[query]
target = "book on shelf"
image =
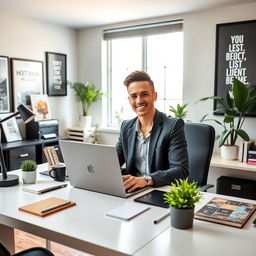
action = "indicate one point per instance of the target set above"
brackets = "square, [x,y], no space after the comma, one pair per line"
[247,146]
[225,211]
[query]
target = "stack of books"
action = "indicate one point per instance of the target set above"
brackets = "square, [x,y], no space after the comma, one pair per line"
[51,156]
[252,156]
[81,134]
[244,148]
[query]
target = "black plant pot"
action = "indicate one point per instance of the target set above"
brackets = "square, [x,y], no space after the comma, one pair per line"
[182,218]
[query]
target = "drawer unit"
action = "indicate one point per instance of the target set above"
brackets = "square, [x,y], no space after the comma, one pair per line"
[18,155]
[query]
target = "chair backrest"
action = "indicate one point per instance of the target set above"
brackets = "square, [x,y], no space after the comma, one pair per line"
[200,140]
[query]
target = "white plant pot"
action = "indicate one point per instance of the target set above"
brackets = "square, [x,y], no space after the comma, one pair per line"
[29,177]
[85,122]
[229,152]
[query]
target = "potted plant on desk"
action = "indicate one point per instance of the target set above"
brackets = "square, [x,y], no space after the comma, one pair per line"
[87,93]
[239,101]
[182,198]
[28,168]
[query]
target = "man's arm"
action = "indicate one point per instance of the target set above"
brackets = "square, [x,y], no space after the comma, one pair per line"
[177,157]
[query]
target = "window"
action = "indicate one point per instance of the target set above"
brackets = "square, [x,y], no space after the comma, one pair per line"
[160,53]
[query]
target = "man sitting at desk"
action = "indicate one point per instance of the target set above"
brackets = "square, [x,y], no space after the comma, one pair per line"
[152,145]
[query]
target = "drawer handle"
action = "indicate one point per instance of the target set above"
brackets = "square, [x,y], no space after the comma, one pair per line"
[56,149]
[23,155]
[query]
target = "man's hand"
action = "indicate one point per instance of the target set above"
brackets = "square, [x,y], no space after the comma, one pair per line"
[132,182]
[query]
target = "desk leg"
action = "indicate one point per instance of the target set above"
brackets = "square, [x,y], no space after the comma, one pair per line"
[7,237]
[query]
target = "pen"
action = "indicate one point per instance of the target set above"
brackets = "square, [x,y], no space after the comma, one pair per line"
[161,218]
[55,207]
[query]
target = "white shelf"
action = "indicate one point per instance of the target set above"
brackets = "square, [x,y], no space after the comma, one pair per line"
[217,161]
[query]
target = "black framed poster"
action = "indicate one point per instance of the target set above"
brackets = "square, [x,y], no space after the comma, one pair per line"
[235,56]
[56,74]
[27,79]
[5,87]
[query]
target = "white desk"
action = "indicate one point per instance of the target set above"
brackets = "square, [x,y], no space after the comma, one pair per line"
[85,226]
[204,239]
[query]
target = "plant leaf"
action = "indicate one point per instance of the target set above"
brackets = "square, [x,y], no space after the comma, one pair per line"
[240,92]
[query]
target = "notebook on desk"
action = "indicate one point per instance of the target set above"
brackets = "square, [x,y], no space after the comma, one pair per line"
[94,167]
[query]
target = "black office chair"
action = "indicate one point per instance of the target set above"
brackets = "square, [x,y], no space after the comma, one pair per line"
[200,142]
[35,251]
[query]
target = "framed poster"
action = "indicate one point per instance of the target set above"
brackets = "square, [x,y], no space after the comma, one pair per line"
[5,88]
[11,129]
[40,106]
[56,74]
[235,56]
[27,78]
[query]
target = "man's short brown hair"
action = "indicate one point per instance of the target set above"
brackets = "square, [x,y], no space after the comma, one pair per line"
[138,76]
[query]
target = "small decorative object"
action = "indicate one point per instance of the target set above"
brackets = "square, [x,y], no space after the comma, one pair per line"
[28,168]
[182,198]
[11,129]
[40,106]
[239,101]
[180,111]
[27,78]
[87,93]
[56,74]
[5,95]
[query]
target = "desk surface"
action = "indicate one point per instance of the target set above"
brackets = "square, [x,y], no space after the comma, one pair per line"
[217,161]
[87,228]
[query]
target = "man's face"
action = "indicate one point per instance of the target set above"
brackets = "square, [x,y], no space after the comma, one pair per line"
[142,97]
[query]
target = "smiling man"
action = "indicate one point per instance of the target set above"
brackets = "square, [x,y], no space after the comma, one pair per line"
[152,145]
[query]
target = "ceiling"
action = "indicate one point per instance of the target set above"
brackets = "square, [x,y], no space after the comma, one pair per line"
[87,13]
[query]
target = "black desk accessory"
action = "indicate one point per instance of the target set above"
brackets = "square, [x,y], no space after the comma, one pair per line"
[10,180]
[43,129]
[154,197]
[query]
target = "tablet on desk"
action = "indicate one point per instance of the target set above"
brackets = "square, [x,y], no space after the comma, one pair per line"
[154,197]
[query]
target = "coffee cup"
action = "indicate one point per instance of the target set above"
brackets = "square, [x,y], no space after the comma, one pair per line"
[58,172]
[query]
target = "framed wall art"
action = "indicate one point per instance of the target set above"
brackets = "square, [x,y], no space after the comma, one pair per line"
[40,106]
[5,88]
[56,74]
[235,56]
[10,129]
[27,78]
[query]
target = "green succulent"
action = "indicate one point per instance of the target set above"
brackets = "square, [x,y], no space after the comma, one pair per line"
[183,194]
[87,93]
[28,166]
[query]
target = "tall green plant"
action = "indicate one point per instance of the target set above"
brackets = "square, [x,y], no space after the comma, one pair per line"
[239,101]
[87,93]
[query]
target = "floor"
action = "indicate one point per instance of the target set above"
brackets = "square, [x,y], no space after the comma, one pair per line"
[25,240]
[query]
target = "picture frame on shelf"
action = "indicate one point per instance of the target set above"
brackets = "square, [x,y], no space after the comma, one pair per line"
[235,57]
[27,78]
[40,106]
[10,129]
[5,86]
[56,74]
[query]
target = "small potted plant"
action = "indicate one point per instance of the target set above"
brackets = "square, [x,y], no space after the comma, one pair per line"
[180,111]
[182,198]
[240,101]
[28,168]
[87,93]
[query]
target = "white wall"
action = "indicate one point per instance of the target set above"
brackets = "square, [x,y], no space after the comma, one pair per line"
[29,39]
[199,56]
[199,64]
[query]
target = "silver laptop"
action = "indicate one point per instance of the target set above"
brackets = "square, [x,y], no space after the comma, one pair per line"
[94,167]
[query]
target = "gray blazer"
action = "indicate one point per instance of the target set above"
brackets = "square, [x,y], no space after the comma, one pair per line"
[168,157]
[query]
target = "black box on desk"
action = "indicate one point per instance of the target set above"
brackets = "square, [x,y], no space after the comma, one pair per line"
[42,129]
[236,187]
